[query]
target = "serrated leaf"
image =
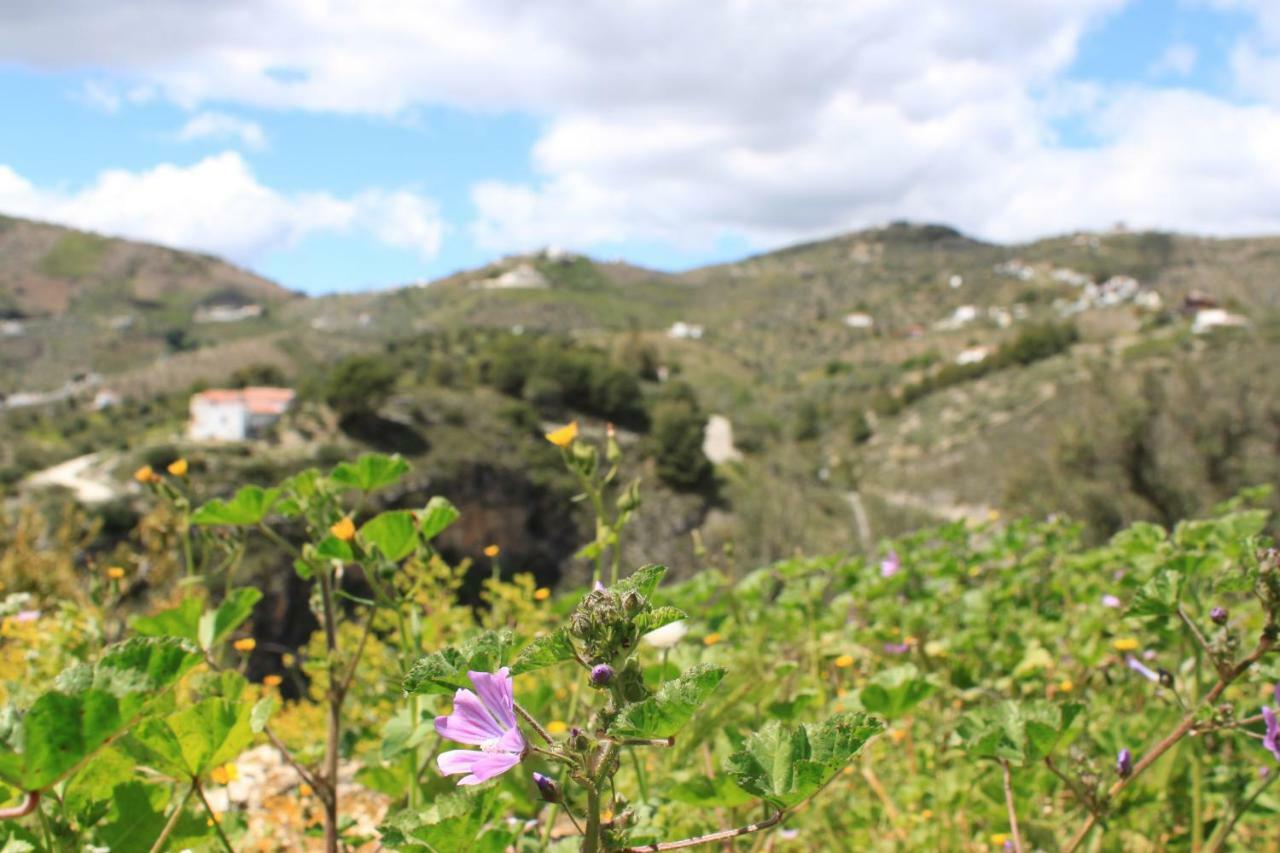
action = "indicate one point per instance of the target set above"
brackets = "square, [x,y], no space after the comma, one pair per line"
[392,533]
[450,824]
[193,740]
[1022,733]
[248,507]
[371,471]
[438,514]
[333,548]
[675,703]
[546,650]
[446,670]
[232,613]
[893,692]
[1159,597]
[784,766]
[719,792]
[89,706]
[643,580]
[181,621]
[657,617]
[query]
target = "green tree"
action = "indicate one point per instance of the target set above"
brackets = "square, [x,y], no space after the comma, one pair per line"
[677,440]
[359,383]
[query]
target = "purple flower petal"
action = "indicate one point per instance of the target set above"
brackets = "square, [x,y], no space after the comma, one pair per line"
[890,565]
[479,765]
[1278,694]
[496,693]
[1270,741]
[1142,669]
[896,648]
[1111,601]
[470,721]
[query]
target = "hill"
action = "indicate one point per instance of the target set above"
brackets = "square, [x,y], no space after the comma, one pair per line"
[867,384]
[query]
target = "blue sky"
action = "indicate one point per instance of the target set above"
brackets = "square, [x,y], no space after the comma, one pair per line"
[338,154]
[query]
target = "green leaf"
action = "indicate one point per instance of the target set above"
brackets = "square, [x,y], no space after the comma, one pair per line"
[545,650]
[784,766]
[1021,733]
[666,712]
[392,533]
[643,580]
[1159,597]
[446,670]
[88,707]
[333,548]
[232,613]
[182,621]
[249,507]
[371,471]
[261,714]
[450,824]
[893,692]
[657,617]
[438,514]
[191,741]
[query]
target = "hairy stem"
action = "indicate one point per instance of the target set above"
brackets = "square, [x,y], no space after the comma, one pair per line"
[1009,805]
[172,821]
[213,816]
[709,838]
[334,732]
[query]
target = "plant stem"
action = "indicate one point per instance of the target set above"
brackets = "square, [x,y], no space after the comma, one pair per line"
[172,821]
[1265,645]
[591,838]
[213,817]
[1219,840]
[1009,805]
[641,780]
[709,838]
[334,733]
[22,809]
[528,718]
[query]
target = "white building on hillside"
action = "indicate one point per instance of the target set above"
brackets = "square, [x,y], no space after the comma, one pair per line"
[235,414]
[685,331]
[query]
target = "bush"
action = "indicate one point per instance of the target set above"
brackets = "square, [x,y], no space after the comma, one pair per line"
[677,438]
[360,383]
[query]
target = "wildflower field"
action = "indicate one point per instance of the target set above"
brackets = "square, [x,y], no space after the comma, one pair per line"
[970,687]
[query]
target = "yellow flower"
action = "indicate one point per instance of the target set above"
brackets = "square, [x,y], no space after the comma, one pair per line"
[1125,644]
[492,550]
[564,436]
[145,474]
[344,529]
[305,790]
[910,640]
[557,727]
[178,467]
[1066,685]
[245,644]
[993,515]
[541,594]
[897,735]
[999,839]
[288,659]
[927,814]
[712,638]
[844,661]
[272,680]
[115,573]
[224,774]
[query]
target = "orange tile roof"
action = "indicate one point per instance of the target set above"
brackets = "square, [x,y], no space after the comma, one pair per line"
[258,400]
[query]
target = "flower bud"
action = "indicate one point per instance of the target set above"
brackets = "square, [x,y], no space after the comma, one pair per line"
[1218,615]
[601,675]
[633,602]
[1124,763]
[547,788]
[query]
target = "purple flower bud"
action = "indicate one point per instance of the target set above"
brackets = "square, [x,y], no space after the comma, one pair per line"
[896,648]
[1264,772]
[1218,615]
[601,674]
[1111,601]
[1124,763]
[1149,654]
[1142,669]
[547,788]
[890,565]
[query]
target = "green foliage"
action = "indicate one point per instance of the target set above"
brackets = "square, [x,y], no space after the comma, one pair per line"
[677,436]
[359,384]
[785,766]
[670,709]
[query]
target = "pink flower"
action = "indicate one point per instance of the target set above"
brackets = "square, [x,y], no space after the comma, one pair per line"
[487,720]
[890,565]
[1111,601]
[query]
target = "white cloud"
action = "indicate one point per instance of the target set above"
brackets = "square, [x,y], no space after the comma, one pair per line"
[216,125]
[682,122]
[218,205]
[1178,60]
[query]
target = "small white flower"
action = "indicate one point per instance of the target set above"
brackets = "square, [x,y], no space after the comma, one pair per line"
[666,636]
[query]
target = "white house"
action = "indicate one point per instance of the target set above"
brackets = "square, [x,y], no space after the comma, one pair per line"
[1209,319]
[685,331]
[226,414]
[974,355]
[859,320]
[227,313]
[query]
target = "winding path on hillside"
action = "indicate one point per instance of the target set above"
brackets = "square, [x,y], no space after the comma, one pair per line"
[84,476]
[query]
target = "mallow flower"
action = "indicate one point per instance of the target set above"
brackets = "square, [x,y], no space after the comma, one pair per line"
[666,636]
[487,719]
[1124,763]
[1272,738]
[1142,669]
[1111,601]
[890,565]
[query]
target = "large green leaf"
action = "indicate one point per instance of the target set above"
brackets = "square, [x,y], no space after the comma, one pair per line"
[371,471]
[446,670]
[231,614]
[181,621]
[1159,597]
[392,533]
[248,507]
[895,691]
[784,766]
[666,712]
[643,580]
[1023,733]
[656,618]
[720,792]
[88,707]
[450,824]
[193,740]
[438,514]
[546,650]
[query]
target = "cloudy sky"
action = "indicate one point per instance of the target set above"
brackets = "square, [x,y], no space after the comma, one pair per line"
[340,144]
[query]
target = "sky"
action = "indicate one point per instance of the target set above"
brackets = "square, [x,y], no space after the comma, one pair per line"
[343,145]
